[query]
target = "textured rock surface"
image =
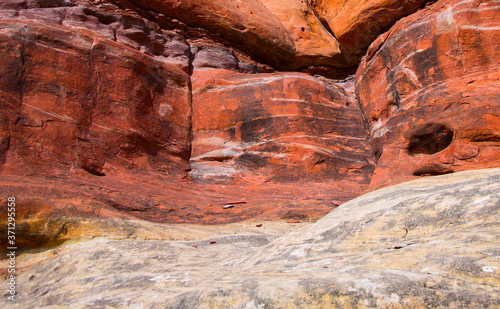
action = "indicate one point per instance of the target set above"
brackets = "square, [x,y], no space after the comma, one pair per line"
[105,89]
[429,243]
[72,98]
[355,24]
[429,90]
[293,34]
[314,44]
[278,127]
[113,112]
[284,36]
[179,106]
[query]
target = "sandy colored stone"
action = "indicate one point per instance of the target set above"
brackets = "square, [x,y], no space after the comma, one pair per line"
[427,243]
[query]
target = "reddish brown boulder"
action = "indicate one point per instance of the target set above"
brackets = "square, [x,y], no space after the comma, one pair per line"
[72,99]
[282,127]
[429,90]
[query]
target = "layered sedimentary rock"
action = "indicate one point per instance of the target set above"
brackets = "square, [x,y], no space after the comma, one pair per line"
[287,37]
[428,243]
[429,91]
[296,34]
[170,111]
[97,120]
[276,128]
[189,112]
[72,98]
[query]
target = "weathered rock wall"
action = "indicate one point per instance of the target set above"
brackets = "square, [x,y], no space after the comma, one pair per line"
[282,127]
[74,96]
[213,112]
[171,110]
[429,92]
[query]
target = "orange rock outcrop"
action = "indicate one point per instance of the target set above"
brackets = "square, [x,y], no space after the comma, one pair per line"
[429,91]
[219,111]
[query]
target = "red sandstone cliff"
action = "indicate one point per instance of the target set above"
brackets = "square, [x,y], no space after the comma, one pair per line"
[171,110]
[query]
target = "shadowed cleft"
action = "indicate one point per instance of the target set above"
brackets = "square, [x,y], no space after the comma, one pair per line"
[432,170]
[93,166]
[430,139]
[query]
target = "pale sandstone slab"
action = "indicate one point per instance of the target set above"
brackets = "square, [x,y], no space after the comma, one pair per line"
[427,243]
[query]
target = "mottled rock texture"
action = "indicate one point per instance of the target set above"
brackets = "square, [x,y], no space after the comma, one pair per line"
[120,109]
[429,243]
[429,91]
[191,112]
[119,115]
[282,127]
[356,23]
[97,119]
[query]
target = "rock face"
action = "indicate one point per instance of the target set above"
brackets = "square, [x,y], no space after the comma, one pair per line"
[119,115]
[118,90]
[176,111]
[287,37]
[356,24]
[97,116]
[278,127]
[432,105]
[121,109]
[429,243]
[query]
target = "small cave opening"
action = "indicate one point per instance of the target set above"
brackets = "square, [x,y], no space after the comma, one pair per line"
[93,169]
[92,165]
[429,139]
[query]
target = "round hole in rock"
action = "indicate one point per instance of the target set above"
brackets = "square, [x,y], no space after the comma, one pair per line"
[429,139]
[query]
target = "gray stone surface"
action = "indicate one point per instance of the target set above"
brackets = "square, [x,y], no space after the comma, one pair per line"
[429,243]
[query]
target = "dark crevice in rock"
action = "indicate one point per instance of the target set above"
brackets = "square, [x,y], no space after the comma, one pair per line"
[4,148]
[189,152]
[432,170]
[93,166]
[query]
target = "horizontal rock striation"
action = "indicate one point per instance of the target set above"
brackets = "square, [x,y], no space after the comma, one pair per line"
[105,90]
[118,116]
[276,127]
[74,98]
